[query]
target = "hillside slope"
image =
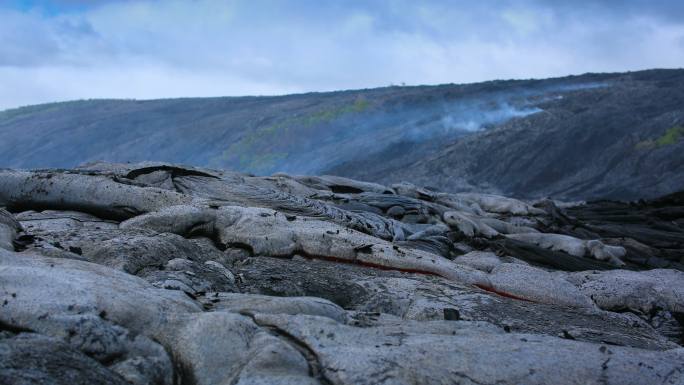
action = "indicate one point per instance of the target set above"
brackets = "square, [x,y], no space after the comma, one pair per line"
[295,133]
[621,141]
[594,135]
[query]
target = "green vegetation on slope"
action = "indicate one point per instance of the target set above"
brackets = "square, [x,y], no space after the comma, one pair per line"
[253,156]
[671,136]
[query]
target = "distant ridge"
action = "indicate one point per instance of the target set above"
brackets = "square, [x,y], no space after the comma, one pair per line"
[577,137]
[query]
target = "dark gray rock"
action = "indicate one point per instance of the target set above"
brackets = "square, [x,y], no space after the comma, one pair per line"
[9,228]
[31,359]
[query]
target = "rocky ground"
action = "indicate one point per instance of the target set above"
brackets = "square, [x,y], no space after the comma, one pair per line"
[160,274]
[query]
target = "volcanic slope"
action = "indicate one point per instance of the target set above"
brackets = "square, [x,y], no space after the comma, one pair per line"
[578,137]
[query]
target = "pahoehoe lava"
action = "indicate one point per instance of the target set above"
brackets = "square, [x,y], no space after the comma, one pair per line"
[159,273]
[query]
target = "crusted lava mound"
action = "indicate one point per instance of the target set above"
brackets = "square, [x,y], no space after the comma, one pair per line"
[156,273]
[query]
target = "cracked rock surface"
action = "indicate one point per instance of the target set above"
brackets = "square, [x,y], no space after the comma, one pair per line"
[157,273]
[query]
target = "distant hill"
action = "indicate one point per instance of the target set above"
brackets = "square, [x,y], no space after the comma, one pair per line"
[623,140]
[588,136]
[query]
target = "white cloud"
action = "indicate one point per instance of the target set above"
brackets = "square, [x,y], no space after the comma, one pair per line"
[46,84]
[173,48]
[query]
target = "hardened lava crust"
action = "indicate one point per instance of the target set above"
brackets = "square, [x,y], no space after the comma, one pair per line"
[156,273]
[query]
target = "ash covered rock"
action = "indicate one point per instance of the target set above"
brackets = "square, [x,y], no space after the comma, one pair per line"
[9,227]
[159,273]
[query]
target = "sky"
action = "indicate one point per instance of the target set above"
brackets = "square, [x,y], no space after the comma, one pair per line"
[81,49]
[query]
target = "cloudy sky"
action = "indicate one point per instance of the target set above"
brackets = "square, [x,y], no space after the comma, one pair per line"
[78,49]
